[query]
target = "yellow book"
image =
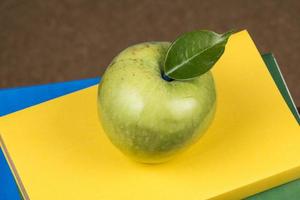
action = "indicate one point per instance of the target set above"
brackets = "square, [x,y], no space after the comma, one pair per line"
[60,151]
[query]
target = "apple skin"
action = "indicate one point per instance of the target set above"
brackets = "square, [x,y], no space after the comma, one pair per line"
[146,117]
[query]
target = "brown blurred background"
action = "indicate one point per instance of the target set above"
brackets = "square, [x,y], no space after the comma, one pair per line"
[59,40]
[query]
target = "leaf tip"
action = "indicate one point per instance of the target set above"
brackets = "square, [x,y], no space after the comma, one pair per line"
[228,34]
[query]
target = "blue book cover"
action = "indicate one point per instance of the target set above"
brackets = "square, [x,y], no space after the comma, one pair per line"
[15,99]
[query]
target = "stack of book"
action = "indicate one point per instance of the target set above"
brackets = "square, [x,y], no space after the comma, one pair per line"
[53,147]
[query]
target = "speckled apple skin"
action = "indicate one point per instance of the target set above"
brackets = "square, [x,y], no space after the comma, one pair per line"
[147,118]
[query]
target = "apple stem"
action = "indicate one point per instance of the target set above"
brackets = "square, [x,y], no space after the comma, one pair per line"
[166,78]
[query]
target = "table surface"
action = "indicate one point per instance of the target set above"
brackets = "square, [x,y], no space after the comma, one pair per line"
[59,40]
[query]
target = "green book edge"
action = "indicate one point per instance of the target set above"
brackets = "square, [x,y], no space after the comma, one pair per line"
[289,190]
[274,70]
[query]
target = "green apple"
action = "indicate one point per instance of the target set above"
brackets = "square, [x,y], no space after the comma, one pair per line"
[146,117]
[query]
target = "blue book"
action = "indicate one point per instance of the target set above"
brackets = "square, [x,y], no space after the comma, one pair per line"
[8,187]
[15,99]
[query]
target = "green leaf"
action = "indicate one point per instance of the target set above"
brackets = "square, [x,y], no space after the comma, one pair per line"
[194,53]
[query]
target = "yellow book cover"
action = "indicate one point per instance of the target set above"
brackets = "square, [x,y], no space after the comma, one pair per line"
[60,151]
